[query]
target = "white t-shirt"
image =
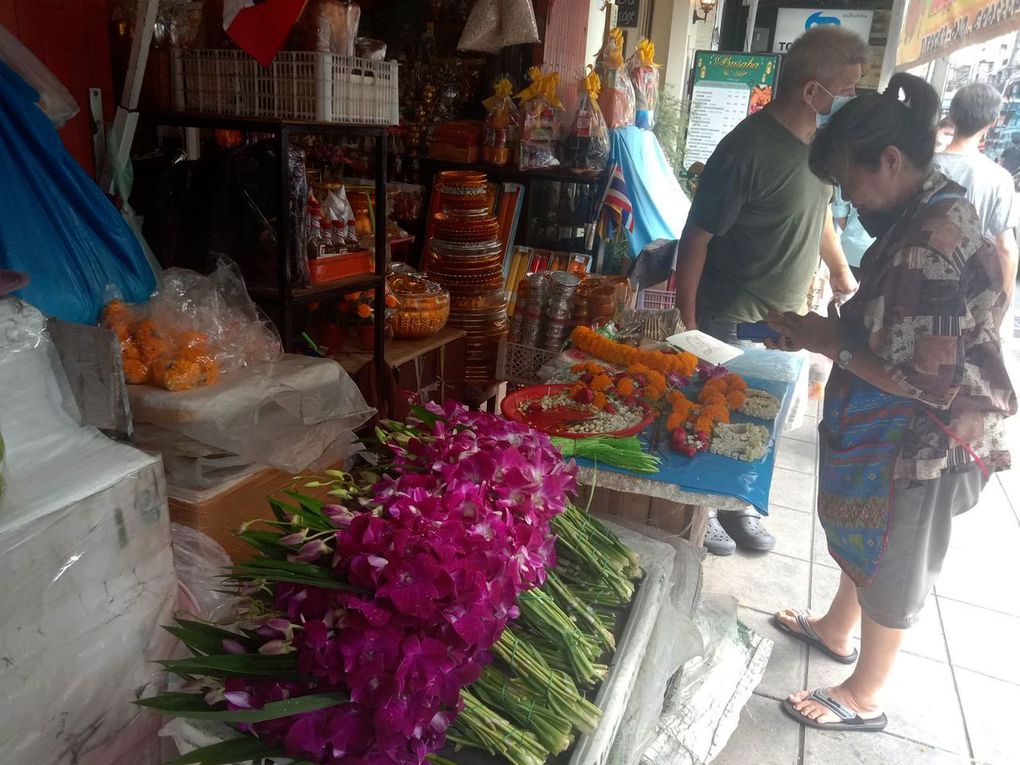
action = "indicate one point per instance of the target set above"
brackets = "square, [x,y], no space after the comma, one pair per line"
[989,188]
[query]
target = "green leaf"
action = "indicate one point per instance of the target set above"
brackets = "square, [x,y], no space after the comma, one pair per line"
[236,750]
[281,510]
[428,418]
[265,542]
[193,707]
[202,637]
[309,516]
[308,503]
[230,665]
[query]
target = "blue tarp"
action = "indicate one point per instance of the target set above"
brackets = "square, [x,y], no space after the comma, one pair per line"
[714,474]
[660,205]
[56,225]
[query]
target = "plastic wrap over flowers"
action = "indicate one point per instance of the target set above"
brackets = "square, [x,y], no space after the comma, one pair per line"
[366,619]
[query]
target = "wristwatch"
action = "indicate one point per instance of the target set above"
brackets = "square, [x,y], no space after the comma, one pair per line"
[844,357]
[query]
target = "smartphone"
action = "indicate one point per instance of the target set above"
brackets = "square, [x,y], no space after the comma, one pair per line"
[756,331]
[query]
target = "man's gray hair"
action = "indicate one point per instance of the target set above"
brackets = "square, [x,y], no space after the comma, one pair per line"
[819,54]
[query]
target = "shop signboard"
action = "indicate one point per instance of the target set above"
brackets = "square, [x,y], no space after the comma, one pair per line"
[627,13]
[935,28]
[726,87]
[791,23]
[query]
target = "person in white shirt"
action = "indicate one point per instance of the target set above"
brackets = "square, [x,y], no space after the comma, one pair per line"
[974,109]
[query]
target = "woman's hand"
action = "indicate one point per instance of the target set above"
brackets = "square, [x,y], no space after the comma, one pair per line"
[813,332]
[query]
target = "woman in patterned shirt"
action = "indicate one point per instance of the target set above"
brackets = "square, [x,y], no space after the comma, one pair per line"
[914,410]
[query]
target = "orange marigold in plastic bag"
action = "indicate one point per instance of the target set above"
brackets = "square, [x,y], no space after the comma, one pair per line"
[193,340]
[137,372]
[177,374]
[364,310]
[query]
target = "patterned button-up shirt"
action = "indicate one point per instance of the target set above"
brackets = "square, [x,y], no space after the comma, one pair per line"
[930,305]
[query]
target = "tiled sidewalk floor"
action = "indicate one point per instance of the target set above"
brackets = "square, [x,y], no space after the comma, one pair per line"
[955,693]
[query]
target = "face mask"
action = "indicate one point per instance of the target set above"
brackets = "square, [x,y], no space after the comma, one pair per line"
[838,102]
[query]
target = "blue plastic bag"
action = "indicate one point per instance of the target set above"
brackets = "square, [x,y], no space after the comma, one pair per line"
[56,225]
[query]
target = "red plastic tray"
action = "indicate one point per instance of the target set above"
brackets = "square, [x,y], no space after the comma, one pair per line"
[553,421]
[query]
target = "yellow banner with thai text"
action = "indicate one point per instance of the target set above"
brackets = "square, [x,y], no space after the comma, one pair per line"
[935,28]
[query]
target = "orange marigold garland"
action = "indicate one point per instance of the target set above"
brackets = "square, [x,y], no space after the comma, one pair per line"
[653,376]
[594,344]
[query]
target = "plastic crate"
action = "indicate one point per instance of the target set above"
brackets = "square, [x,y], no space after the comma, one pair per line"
[320,87]
[519,364]
[656,300]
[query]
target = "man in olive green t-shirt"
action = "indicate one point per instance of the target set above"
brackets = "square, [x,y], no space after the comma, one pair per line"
[760,220]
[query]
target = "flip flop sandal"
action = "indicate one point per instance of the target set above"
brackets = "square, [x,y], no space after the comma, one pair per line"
[717,541]
[848,719]
[809,636]
[746,530]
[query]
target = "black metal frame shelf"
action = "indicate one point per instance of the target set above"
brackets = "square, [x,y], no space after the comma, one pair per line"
[285,296]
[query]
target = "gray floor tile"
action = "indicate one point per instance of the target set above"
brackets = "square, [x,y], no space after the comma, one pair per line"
[920,699]
[1010,481]
[763,582]
[832,748]
[806,432]
[787,666]
[793,489]
[982,640]
[764,736]
[981,579]
[801,456]
[792,530]
[990,528]
[989,707]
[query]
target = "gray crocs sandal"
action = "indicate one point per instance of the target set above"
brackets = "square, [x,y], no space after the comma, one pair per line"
[717,541]
[848,719]
[809,636]
[746,529]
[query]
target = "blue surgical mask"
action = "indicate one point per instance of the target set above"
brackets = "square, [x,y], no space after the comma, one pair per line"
[838,102]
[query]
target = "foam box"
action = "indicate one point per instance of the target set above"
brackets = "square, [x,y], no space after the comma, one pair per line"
[87,568]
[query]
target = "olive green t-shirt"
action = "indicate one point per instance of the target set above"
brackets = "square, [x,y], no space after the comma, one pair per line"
[765,210]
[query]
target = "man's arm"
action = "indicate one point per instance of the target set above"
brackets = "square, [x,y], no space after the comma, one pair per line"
[690,264]
[842,281]
[1005,244]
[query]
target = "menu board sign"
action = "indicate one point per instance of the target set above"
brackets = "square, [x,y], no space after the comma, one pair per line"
[627,13]
[726,87]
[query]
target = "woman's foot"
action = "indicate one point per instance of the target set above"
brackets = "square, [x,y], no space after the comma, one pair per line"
[813,706]
[838,646]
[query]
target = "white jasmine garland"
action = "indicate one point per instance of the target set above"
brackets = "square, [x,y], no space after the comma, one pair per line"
[740,441]
[760,405]
[595,420]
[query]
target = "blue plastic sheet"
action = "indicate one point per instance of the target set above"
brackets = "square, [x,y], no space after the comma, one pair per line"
[56,225]
[660,205]
[713,473]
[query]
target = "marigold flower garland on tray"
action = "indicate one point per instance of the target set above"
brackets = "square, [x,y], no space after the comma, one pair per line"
[656,377]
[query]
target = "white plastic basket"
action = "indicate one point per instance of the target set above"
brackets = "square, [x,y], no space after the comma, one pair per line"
[656,300]
[297,86]
[519,364]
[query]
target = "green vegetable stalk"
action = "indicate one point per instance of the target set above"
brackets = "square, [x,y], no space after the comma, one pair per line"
[619,452]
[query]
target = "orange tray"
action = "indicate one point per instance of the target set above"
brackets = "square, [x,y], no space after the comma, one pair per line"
[355,263]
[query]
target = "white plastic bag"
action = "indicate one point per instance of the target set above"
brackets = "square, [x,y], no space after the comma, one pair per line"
[54,99]
[201,563]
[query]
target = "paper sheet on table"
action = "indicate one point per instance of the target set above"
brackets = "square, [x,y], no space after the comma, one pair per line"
[704,346]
